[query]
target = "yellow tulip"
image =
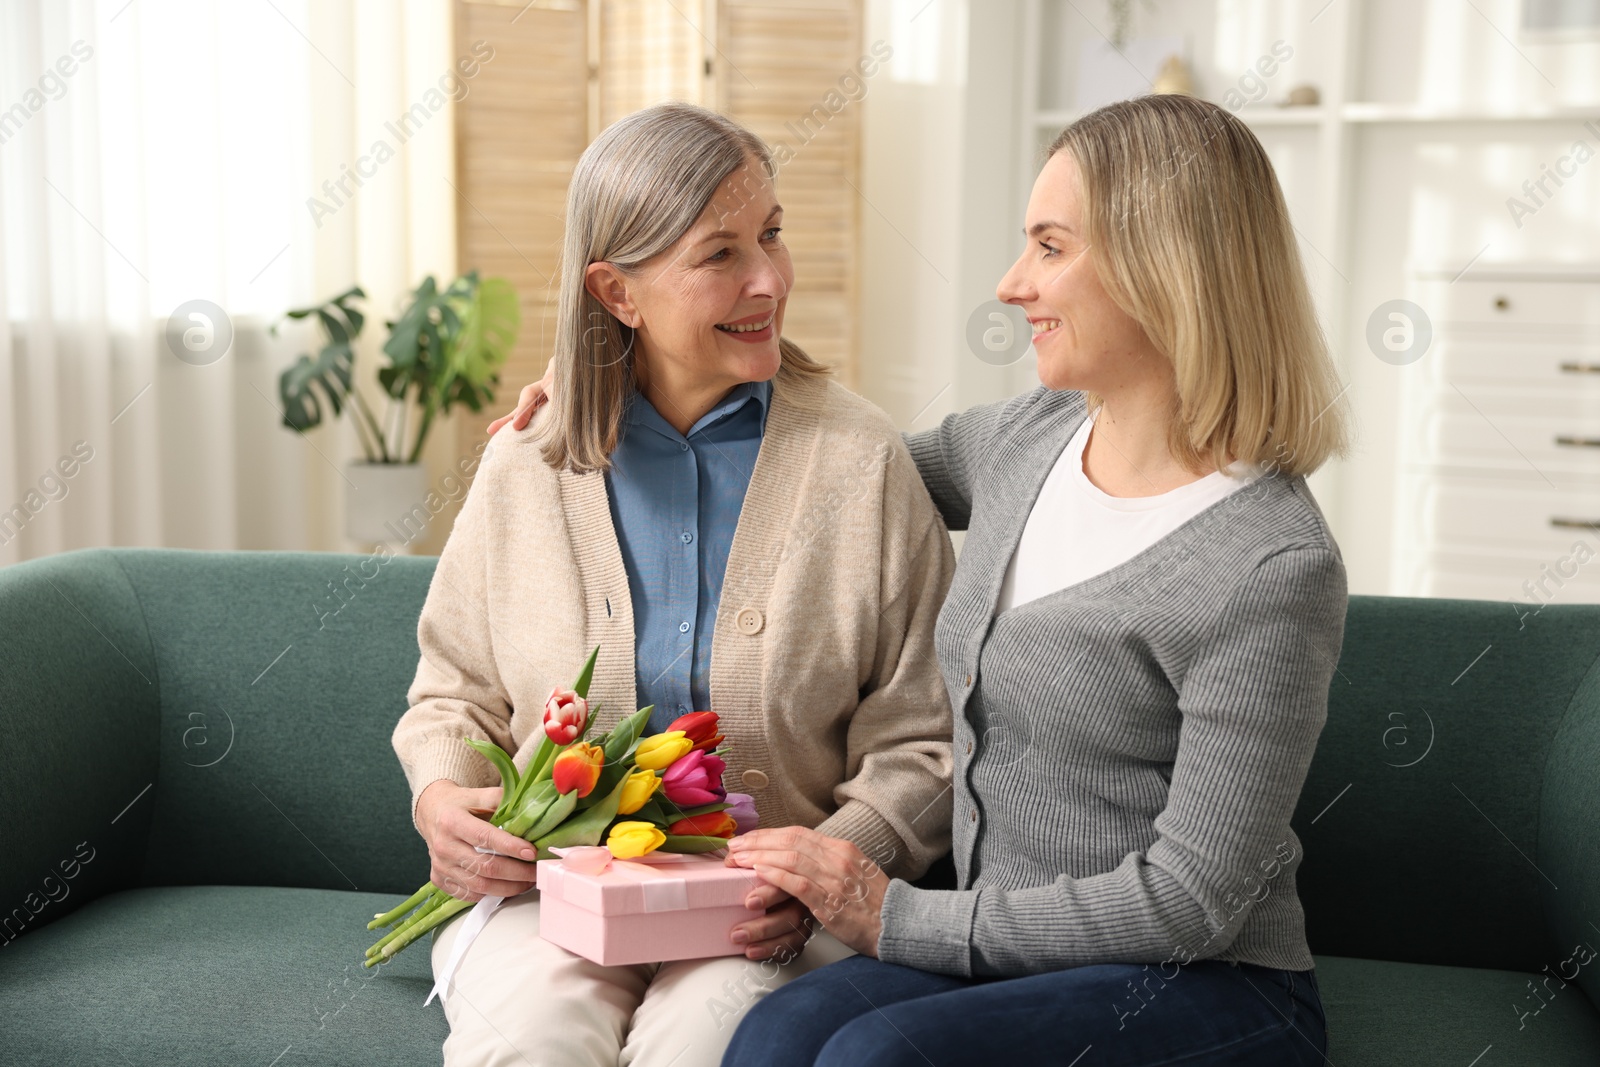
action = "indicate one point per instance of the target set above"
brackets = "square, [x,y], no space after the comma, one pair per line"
[660,750]
[628,840]
[640,787]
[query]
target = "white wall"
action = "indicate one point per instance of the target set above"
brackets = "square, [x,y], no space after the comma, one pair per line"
[942,220]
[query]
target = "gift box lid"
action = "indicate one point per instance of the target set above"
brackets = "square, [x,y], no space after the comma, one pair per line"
[660,881]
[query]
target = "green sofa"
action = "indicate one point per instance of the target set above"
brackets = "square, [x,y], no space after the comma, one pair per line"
[202,810]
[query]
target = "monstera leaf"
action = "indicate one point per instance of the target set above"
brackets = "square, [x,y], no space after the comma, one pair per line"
[330,369]
[489,325]
[297,386]
[446,348]
[450,345]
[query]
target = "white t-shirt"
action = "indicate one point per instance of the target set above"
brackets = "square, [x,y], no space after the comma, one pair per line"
[1076,530]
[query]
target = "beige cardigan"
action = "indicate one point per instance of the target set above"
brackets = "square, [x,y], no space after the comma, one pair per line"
[822,664]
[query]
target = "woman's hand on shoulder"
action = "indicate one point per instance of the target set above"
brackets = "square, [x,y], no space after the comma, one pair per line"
[533,396]
[447,819]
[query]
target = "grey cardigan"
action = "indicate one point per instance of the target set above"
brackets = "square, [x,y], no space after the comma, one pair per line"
[1129,749]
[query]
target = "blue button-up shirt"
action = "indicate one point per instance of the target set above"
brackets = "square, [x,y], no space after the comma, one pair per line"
[675,503]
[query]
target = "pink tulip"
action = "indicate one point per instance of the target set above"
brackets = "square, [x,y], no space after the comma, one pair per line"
[743,811]
[694,779]
[564,715]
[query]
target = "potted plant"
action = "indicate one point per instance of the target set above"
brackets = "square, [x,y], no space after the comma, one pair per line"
[446,348]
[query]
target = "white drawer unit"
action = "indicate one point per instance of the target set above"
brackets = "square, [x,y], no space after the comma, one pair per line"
[1499,493]
[1553,359]
[1522,431]
[1531,299]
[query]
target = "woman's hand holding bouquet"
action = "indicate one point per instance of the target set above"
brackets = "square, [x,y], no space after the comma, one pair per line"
[635,795]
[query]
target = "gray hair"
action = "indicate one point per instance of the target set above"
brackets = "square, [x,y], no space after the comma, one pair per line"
[636,190]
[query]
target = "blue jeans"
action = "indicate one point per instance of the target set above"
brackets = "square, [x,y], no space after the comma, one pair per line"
[862,1011]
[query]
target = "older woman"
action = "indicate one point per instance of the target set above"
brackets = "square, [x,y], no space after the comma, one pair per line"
[735,532]
[1138,642]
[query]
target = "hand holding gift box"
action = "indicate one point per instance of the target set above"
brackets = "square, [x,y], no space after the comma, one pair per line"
[661,906]
[639,796]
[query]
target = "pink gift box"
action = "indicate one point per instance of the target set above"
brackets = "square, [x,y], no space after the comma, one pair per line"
[655,908]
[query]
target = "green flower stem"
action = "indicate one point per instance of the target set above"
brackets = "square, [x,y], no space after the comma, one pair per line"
[389,917]
[433,903]
[445,911]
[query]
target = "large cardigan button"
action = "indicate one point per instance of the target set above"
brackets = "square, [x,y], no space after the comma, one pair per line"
[749,621]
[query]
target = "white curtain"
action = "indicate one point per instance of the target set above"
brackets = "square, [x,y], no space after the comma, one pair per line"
[154,153]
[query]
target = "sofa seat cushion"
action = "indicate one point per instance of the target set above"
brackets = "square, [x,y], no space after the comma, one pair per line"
[217,974]
[1405,1014]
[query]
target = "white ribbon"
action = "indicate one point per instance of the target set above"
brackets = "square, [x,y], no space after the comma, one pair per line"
[471,927]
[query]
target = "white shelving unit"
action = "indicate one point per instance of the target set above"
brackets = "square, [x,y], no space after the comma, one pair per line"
[1513,513]
[1428,134]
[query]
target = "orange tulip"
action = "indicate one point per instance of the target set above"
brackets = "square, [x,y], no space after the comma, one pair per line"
[712,824]
[699,727]
[578,768]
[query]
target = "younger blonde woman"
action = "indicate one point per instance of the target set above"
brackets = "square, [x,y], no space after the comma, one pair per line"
[1151,605]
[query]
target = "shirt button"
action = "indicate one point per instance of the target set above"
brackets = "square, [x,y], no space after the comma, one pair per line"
[688,538]
[749,622]
[754,779]
[683,627]
[683,446]
[682,710]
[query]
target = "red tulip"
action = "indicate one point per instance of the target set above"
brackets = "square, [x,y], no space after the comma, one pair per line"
[694,779]
[564,715]
[578,768]
[712,824]
[699,727]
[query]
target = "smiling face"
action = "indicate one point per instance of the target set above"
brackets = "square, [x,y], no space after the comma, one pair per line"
[708,311]
[1081,338]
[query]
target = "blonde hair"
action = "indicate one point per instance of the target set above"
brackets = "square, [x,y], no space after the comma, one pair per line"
[1192,238]
[635,191]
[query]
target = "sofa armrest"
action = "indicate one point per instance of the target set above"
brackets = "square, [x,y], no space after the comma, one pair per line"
[79,736]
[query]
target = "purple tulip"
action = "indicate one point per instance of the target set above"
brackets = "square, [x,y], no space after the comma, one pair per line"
[695,778]
[743,810]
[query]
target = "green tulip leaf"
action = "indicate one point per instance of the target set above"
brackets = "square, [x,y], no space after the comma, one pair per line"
[588,826]
[693,843]
[585,676]
[552,817]
[703,809]
[502,763]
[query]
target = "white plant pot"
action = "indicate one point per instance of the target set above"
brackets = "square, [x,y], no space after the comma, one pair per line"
[382,500]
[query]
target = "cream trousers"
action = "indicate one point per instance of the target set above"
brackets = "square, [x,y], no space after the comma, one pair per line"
[518,999]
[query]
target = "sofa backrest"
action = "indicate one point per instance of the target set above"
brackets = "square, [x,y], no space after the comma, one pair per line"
[204,717]
[1450,814]
[253,693]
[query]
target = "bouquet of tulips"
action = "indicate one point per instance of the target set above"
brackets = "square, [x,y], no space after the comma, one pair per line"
[633,794]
